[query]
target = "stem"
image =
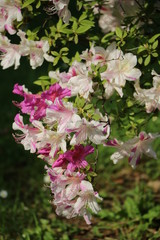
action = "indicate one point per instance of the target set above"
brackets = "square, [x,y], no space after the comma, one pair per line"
[139,4]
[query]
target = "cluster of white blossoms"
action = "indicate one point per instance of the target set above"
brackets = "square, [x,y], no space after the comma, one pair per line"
[11,53]
[9,12]
[119,68]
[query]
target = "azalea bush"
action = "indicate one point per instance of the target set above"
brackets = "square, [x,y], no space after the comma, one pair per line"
[102,88]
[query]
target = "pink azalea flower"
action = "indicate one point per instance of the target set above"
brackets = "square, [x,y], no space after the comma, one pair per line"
[35,104]
[44,154]
[55,91]
[75,158]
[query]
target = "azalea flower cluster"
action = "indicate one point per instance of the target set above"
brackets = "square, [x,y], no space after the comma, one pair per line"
[9,12]
[63,136]
[11,53]
[119,68]
[73,195]
[60,136]
[54,126]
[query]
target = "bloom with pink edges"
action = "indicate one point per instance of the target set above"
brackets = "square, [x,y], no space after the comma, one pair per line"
[63,112]
[9,12]
[74,159]
[133,148]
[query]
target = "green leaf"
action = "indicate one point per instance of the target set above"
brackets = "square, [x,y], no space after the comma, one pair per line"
[147,60]
[131,207]
[141,49]
[88,106]
[155,54]
[140,60]
[152,39]
[65,30]
[54,53]
[92,174]
[106,37]
[83,29]
[79,5]
[103,69]
[64,49]
[155,44]
[152,213]
[76,39]
[96,117]
[27,2]
[38,4]
[75,26]
[77,57]
[56,60]
[80,102]
[59,24]
[119,32]
[42,83]
[65,59]
[124,34]
[83,16]
[44,77]
[87,22]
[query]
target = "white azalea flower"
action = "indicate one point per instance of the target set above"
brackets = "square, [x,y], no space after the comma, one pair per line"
[149,97]
[9,12]
[81,83]
[61,8]
[10,53]
[96,132]
[119,69]
[56,140]
[87,199]
[63,113]
[134,148]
